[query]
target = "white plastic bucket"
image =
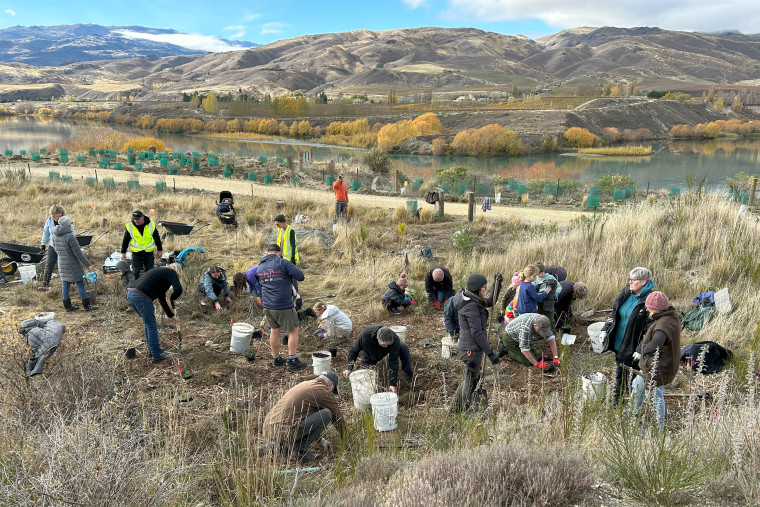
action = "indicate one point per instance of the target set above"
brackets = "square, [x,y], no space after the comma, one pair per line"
[594,330]
[593,386]
[241,337]
[320,360]
[446,345]
[385,410]
[363,387]
[400,331]
[27,272]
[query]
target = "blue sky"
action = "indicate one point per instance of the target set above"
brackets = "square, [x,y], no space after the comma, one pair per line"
[264,21]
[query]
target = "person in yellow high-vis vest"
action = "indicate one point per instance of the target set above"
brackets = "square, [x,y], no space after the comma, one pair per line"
[286,239]
[142,238]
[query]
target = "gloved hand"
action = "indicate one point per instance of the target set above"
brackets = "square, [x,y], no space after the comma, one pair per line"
[228,299]
[437,305]
[556,362]
[636,356]
[217,305]
[542,365]
[414,301]
[42,248]
[493,358]
[319,334]
[259,301]
[408,309]
[499,278]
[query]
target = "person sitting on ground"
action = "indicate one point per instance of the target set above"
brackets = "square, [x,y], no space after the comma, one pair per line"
[394,297]
[298,419]
[142,238]
[542,281]
[141,293]
[519,335]
[528,297]
[70,262]
[558,272]
[276,277]
[657,355]
[213,283]
[563,308]
[373,343]
[51,259]
[439,286]
[335,324]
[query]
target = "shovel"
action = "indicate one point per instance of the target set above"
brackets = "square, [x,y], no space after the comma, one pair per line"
[187,372]
[320,297]
[589,313]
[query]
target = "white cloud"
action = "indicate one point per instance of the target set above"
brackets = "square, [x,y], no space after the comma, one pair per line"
[689,15]
[10,12]
[413,4]
[273,27]
[239,31]
[198,42]
[251,17]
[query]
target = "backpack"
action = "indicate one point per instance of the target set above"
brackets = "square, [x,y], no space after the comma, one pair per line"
[696,318]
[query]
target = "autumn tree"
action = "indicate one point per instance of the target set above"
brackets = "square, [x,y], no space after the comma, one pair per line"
[377,160]
[611,134]
[736,105]
[486,141]
[439,146]
[210,103]
[427,124]
[393,134]
[579,137]
[681,130]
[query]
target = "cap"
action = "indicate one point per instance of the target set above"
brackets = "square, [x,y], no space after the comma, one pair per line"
[279,218]
[656,301]
[475,282]
[137,214]
[333,377]
[542,326]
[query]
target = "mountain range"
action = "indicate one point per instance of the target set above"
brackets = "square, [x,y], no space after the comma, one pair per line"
[439,60]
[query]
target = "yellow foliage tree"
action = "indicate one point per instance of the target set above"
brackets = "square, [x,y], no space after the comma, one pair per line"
[393,134]
[143,144]
[579,137]
[489,140]
[210,104]
[427,124]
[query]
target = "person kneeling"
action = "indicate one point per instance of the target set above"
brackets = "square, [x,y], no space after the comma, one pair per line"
[394,298]
[298,419]
[517,341]
[212,284]
[373,344]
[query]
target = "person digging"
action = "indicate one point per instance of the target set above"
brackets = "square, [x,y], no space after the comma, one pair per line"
[373,343]
[519,337]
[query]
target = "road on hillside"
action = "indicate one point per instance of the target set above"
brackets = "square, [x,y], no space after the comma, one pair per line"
[527,214]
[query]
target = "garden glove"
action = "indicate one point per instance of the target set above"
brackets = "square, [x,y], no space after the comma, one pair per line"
[437,305]
[636,356]
[493,358]
[556,362]
[542,365]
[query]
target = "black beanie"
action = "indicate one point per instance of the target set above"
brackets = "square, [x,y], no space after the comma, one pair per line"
[475,282]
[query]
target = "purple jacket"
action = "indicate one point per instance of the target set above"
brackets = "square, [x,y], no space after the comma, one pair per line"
[276,276]
[253,284]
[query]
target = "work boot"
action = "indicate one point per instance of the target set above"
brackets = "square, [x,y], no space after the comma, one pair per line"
[86,304]
[295,364]
[45,286]
[163,356]
[68,306]
[394,311]
[502,350]
[278,361]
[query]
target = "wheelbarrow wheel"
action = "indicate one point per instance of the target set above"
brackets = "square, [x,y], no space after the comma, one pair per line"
[8,266]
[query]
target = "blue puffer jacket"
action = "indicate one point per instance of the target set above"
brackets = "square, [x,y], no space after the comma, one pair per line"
[276,275]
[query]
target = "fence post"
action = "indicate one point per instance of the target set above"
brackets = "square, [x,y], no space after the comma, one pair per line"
[752,194]
[174,184]
[395,181]
[470,206]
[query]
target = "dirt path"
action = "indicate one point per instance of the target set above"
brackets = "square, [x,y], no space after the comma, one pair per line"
[528,214]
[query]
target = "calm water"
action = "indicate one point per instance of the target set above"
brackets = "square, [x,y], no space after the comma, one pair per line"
[670,165]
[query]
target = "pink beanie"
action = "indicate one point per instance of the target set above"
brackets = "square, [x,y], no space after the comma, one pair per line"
[516,278]
[401,282]
[657,301]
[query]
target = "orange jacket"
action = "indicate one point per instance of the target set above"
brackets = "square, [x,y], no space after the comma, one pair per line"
[341,194]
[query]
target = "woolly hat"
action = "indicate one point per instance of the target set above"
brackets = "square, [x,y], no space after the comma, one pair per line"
[438,274]
[279,218]
[401,282]
[475,282]
[516,278]
[657,301]
[64,222]
[122,266]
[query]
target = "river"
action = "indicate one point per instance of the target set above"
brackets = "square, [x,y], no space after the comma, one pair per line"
[671,165]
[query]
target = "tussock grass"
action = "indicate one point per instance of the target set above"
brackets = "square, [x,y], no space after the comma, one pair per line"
[637,151]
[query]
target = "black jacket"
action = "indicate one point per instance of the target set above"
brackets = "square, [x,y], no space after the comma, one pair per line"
[432,287]
[155,282]
[473,322]
[634,331]
[565,299]
[374,352]
[394,294]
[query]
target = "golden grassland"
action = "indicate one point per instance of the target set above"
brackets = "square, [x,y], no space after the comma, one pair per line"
[538,436]
[633,151]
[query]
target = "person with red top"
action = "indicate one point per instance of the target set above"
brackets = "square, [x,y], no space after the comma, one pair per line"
[341,199]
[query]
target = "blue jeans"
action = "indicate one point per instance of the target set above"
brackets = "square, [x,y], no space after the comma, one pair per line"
[443,295]
[66,289]
[144,308]
[639,392]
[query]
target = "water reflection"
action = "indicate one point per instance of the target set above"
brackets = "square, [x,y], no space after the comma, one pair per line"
[669,166]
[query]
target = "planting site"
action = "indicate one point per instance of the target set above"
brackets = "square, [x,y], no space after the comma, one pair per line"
[97,424]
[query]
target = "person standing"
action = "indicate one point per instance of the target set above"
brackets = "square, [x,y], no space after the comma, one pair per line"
[302,414]
[286,240]
[471,305]
[658,355]
[51,259]
[276,277]
[439,286]
[142,238]
[70,262]
[341,199]
[141,293]
[373,343]
[626,325]
[528,296]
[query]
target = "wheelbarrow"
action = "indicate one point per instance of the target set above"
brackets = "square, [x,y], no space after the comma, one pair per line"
[18,254]
[86,240]
[181,229]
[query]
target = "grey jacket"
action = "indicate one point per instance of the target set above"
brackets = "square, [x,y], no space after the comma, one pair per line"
[70,256]
[43,338]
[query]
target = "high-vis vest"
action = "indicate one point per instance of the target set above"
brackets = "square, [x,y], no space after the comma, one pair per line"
[141,242]
[287,248]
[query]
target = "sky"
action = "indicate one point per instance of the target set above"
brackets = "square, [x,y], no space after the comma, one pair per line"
[264,21]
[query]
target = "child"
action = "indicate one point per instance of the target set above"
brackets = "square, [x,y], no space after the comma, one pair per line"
[394,298]
[509,302]
[127,276]
[543,281]
[529,297]
[335,323]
